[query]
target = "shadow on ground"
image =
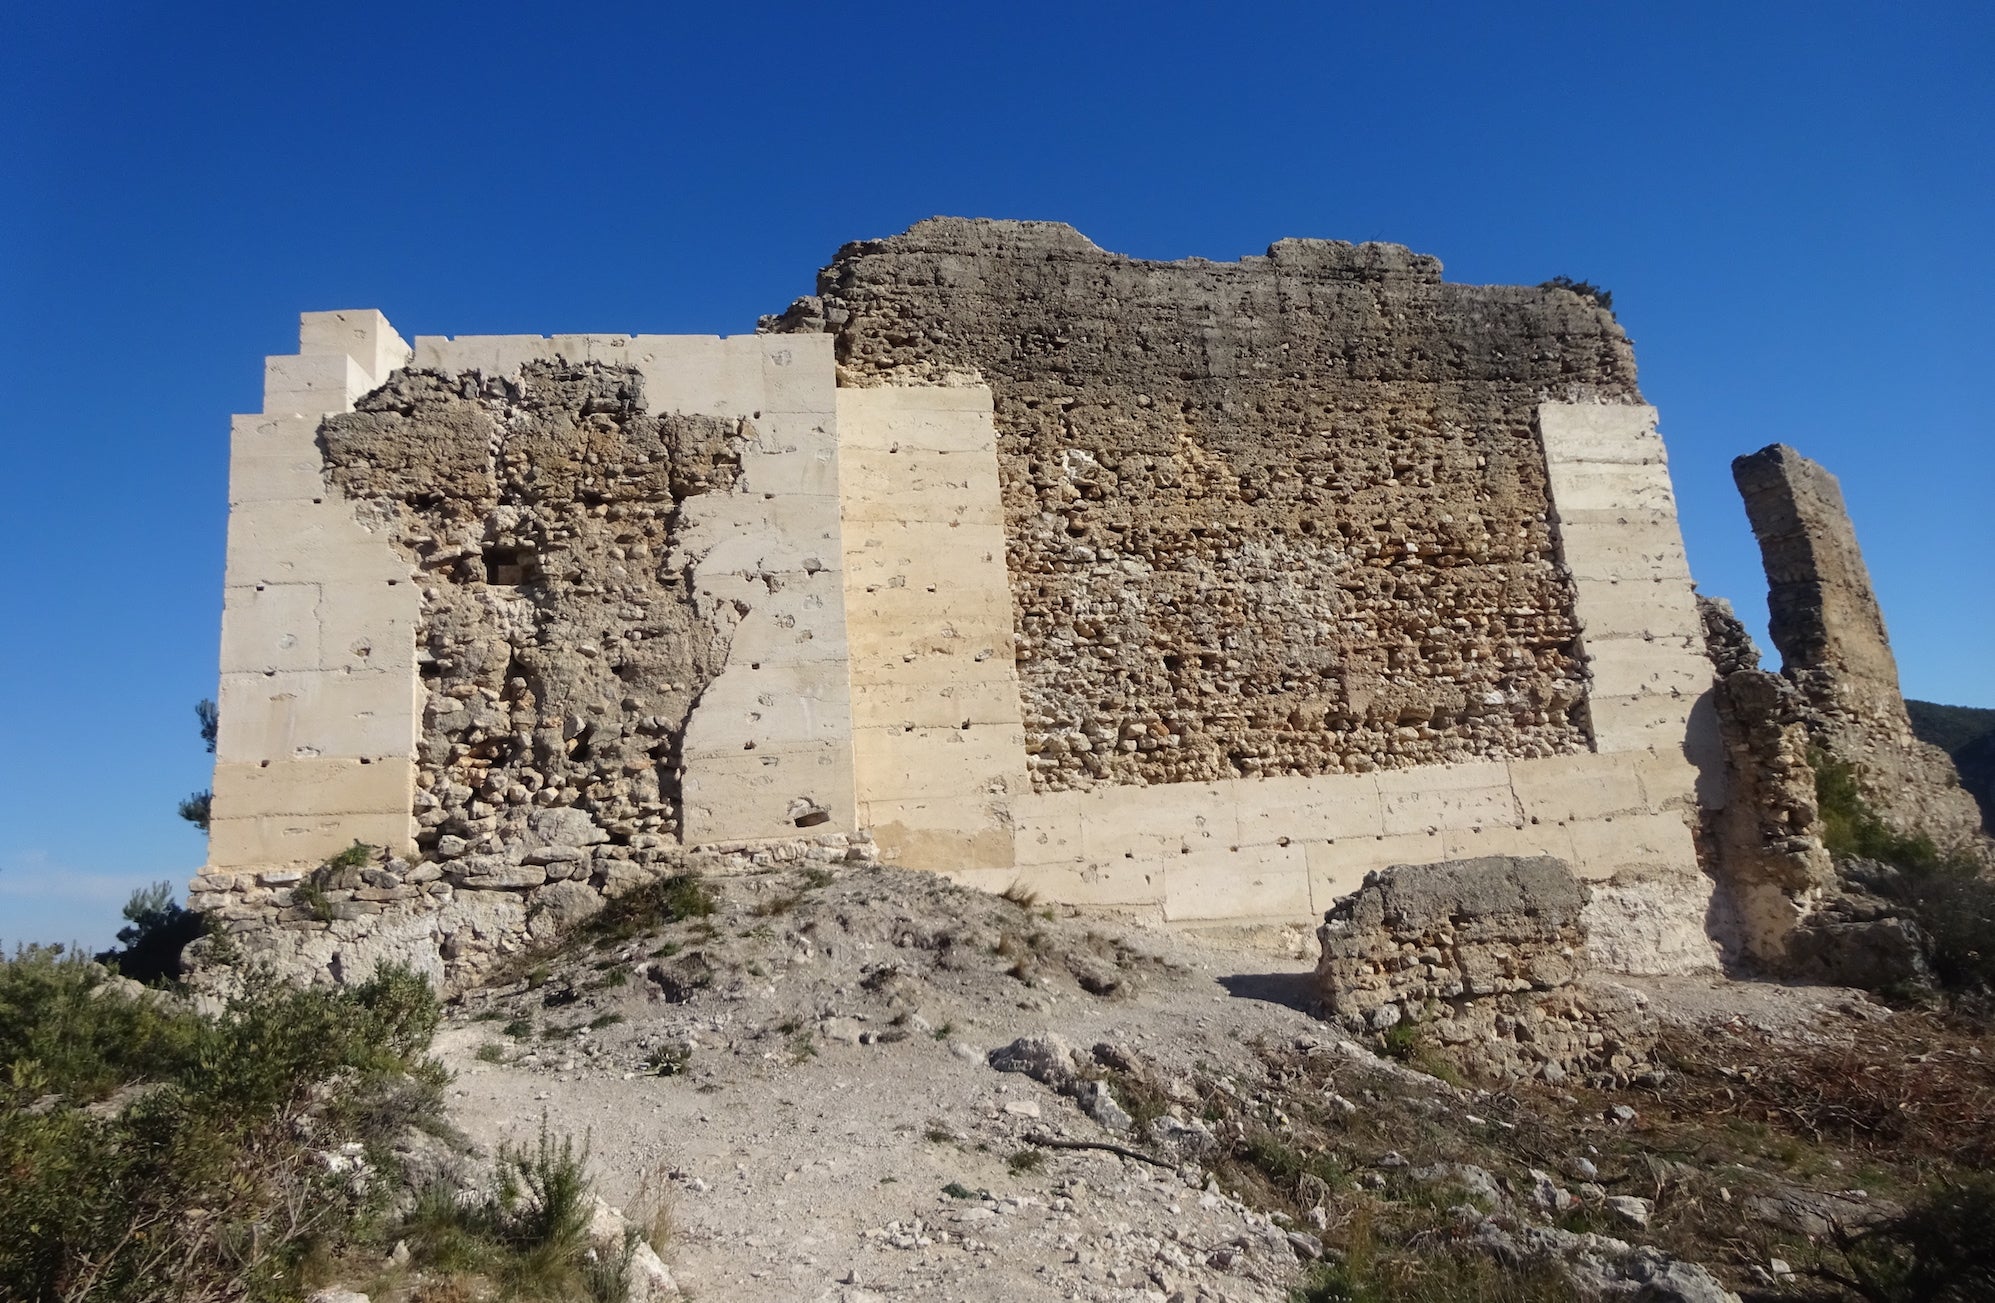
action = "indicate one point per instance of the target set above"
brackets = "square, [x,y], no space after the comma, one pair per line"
[1295,990]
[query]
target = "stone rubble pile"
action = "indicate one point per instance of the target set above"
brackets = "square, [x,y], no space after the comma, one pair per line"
[458,922]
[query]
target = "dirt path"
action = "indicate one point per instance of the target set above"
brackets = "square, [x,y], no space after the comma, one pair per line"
[835,1103]
[801,1079]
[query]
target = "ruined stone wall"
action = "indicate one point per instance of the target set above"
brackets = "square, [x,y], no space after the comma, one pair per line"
[562,643]
[619,649]
[1315,564]
[1285,516]
[1767,838]
[1199,589]
[1830,632]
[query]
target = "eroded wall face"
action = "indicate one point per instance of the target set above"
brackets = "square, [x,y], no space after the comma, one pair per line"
[1282,517]
[755,559]
[537,619]
[562,643]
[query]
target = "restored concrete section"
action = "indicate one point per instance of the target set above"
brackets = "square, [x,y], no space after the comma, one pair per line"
[318,701]
[1650,683]
[1283,849]
[1640,629]
[940,751]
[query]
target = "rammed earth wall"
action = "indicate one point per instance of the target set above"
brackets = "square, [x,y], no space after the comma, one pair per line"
[1197,588]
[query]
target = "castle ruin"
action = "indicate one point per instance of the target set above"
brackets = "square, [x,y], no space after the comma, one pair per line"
[1199,589]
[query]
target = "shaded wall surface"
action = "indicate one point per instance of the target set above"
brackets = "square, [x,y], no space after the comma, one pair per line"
[1829,629]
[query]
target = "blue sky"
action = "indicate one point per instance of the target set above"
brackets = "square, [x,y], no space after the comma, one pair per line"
[1792,204]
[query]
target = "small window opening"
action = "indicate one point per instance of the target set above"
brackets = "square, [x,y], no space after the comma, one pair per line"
[511,564]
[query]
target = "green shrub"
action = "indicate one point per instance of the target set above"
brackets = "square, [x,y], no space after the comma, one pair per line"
[1940,1250]
[1950,899]
[200,1171]
[1956,907]
[1285,1166]
[655,904]
[353,857]
[530,1235]
[156,931]
[63,1033]
[148,1151]
[1851,828]
[313,897]
[1400,1040]
[1585,289]
[198,808]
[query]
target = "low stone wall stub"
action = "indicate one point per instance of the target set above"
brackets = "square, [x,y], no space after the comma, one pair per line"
[1488,959]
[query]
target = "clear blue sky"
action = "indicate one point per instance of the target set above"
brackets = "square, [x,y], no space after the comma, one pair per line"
[1791,202]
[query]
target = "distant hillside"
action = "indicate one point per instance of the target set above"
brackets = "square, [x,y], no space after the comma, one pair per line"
[1967,733]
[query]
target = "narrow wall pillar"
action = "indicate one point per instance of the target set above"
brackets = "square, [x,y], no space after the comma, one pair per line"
[939,745]
[317,739]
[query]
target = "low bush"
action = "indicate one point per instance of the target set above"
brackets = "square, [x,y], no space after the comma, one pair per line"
[529,1236]
[156,930]
[1850,828]
[147,1151]
[1585,289]
[1947,895]
[1940,1250]
[655,904]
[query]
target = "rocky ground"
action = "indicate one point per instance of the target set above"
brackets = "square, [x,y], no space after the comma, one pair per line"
[871,1084]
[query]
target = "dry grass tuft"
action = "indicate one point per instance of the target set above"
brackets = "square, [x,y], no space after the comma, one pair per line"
[1912,1087]
[1020,895]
